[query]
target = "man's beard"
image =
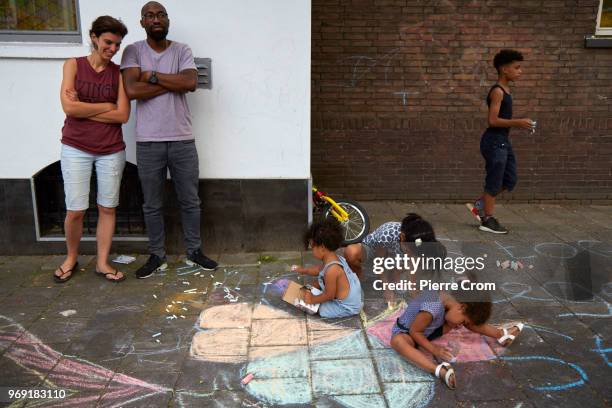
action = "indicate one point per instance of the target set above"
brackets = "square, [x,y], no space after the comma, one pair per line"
[158,35]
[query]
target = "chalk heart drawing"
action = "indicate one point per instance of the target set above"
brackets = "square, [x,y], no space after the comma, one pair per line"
[294,366]
[291,366]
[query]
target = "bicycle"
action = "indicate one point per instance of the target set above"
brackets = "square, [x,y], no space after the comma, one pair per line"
[352,216]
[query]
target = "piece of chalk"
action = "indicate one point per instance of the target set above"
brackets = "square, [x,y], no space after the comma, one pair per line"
[247,379]
[156,335]
[155,296]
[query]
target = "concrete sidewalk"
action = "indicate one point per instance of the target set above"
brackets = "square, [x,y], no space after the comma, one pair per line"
[187,337]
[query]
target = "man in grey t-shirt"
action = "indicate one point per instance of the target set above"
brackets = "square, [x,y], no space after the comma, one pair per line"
[158,73]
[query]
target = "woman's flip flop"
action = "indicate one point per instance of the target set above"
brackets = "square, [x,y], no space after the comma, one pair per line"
[66,279]
[105,275]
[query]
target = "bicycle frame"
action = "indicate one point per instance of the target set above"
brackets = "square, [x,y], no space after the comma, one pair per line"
[336,210]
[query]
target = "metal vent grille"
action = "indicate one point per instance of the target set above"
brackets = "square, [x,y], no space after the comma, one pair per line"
[204,72]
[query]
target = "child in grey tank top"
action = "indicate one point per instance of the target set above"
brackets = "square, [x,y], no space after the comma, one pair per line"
[342,296]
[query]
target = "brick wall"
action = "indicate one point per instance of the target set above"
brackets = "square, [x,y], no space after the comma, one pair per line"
[398,91]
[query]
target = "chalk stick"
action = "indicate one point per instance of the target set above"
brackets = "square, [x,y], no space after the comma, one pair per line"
[156,335]
[247,379]
[155,296]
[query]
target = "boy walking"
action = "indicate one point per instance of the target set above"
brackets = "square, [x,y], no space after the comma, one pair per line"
[495,147]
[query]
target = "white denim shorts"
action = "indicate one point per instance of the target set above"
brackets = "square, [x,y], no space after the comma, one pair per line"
[76,170]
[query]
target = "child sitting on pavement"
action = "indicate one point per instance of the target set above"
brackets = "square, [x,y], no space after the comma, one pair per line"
[341,288]
[432,314]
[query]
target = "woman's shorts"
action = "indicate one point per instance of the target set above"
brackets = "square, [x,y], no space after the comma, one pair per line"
[76,170]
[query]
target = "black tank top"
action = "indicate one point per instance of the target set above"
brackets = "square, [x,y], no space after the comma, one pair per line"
[505,110]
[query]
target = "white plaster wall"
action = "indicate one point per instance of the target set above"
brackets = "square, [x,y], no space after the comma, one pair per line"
[254,123]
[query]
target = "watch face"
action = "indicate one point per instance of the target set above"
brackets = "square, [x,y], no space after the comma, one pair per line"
[153,78]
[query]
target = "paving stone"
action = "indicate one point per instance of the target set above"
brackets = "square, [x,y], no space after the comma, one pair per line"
[329,377]
[335,344]
[278,362]
[278,332]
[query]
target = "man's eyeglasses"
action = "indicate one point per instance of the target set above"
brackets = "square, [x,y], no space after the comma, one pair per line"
[151,16]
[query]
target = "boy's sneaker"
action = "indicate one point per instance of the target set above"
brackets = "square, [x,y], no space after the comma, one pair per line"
[477,209]
[154,264]
[201,260]
[490,224]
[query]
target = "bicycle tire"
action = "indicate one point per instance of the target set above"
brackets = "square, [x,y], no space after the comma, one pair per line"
[358,225]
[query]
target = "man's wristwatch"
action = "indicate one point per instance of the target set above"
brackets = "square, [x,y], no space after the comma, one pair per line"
[153,78]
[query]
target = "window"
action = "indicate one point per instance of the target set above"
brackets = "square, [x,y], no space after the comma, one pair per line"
[40,20]
[604,18]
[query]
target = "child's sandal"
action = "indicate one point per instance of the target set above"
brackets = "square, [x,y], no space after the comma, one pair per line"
[449,372]
[507,336]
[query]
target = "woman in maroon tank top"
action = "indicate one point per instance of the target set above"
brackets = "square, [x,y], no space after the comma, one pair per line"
[96,106]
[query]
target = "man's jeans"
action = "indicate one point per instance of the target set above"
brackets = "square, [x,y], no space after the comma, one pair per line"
[181,158]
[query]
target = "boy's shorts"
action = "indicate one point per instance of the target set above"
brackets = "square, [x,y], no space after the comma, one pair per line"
[500,163]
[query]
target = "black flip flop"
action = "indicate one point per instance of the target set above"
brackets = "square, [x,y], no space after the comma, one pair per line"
[72,270]
[104,275]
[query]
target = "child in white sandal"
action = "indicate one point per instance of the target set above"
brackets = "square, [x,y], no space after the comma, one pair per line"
[432,314]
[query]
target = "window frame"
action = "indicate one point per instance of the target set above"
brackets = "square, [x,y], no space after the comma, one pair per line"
[606,31]
[39,36]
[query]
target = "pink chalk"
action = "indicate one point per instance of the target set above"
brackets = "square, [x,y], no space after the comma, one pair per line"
[247,379]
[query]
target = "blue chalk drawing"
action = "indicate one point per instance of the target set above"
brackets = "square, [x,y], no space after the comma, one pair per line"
[548,330]
[551,250]
[602,352]
[351,346]
[507,250]
[559,387]
[292,376]
[518,290]
[393,368]
[344,377]
[281,391]
[360,401]
[289,364]
[409,395]
[594,247]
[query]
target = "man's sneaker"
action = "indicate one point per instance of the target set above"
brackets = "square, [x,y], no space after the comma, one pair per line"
[477,209]
[201,260]
[491,225]
[154,264]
